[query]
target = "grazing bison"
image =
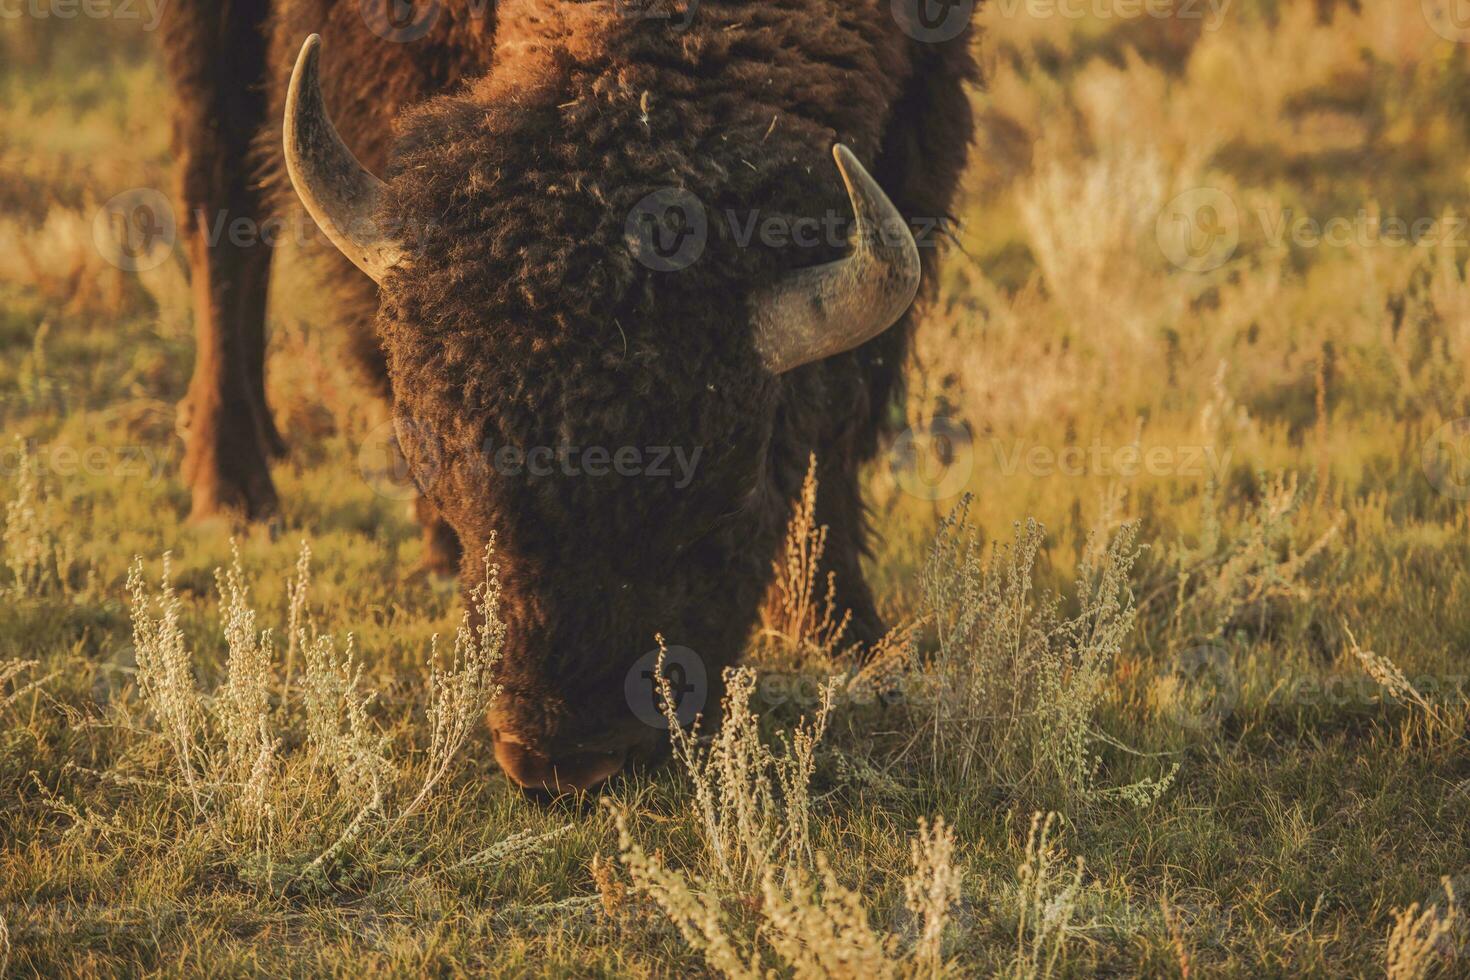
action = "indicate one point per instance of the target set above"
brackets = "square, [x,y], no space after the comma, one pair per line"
[507,269]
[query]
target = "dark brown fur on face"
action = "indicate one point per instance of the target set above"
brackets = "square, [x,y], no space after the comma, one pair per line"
[515,145]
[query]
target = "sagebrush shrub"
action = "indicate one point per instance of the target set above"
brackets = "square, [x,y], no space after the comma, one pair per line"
[40,555]
[460,694]
[1012,691]
[229,755]
[805,922]
[166,672]
[1049,887]
[340,732]
[754,810]
[1417,937]
[752,803]
[242,704]
[819,928]
[1231,575]
[932,890]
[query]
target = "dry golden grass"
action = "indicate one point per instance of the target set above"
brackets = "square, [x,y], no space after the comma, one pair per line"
[807,621]
[1415,942]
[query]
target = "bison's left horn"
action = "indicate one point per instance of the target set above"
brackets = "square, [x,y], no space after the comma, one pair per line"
[339,193]
[825,310]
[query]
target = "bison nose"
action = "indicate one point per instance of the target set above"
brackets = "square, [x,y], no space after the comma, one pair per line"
[575,772]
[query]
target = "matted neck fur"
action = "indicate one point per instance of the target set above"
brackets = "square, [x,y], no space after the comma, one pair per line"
[521,319]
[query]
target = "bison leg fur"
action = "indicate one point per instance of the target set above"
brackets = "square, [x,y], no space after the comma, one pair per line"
[442,550]
[840,508]
[215,54]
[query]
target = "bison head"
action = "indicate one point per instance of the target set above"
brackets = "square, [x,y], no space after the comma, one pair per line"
[519,329]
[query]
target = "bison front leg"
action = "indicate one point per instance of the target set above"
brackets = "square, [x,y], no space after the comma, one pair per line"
[215,53]
[442,550]
[228,432]
[840,508]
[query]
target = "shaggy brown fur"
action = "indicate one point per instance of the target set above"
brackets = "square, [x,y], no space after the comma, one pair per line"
[518,142]
[215,52]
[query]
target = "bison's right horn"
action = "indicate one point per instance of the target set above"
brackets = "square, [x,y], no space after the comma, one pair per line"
[825,310]
[339,193]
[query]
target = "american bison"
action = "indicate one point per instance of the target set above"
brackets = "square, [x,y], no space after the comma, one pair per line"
[480,168]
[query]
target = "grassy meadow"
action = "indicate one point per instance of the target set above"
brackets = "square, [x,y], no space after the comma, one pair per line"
[1182,687]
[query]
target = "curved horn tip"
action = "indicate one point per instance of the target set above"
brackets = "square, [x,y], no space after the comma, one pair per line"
[337,191]
[824,310]
[306,58]
[847,164]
